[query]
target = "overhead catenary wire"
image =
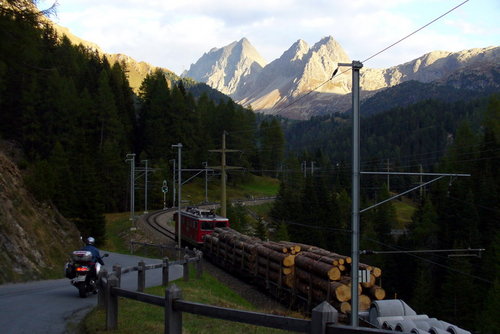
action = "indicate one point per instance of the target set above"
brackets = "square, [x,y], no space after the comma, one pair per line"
[336,74]
[433,262]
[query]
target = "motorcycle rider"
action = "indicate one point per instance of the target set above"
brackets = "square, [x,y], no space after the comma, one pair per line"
[96,258]
[89,246]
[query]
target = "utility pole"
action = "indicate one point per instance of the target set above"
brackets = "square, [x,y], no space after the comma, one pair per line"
[356,66]
[205,164]
[421,182]
[131,157]
[173,184]
[388,170]
[145,187]
[223,177]
[179,197]
[223,169]
[356,174]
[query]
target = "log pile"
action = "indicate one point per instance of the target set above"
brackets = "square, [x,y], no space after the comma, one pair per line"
[314,273]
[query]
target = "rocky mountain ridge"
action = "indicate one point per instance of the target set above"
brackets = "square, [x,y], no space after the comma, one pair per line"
[284,86]
[231,65]
[296,85]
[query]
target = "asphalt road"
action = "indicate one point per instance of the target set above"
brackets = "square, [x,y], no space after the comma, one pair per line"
[53,306]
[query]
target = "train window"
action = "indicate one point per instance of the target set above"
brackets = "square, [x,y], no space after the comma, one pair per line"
[207,226]
[220,224]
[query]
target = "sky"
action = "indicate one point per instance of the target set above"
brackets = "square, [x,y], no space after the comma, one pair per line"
[175,34]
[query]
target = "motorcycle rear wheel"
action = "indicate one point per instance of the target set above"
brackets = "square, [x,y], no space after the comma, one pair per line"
[82,291]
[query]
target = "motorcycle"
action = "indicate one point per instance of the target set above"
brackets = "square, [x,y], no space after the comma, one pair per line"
[83,272]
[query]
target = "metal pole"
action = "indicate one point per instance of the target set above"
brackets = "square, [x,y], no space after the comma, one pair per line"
[388,184]
[131,157]
[173,184]
[146,187]
[164,200]
[223,176]
[179,196]
[356,66]
[205,164]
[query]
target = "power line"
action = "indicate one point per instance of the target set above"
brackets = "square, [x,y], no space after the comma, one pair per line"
[433,262]
[414,32]
[336,74]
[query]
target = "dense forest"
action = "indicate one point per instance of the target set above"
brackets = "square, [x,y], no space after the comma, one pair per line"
[313,205]
[75,118]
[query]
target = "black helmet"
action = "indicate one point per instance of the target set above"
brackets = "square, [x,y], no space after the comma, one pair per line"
[90,241]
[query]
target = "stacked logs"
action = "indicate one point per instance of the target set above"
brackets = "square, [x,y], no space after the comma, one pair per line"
[312,272]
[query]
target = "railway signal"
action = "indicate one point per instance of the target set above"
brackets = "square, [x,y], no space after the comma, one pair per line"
[164,189]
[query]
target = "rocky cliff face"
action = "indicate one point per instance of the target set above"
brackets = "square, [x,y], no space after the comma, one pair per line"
[226,68]
[433,66]
[35,239]
[284,86]
[298,71]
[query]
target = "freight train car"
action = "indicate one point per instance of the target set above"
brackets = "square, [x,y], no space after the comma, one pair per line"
[196,223]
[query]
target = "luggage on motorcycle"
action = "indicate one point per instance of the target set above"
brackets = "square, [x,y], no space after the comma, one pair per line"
[81,256]
[69,270]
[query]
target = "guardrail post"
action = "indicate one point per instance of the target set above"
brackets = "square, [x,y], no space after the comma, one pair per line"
[321,315]
[199,267]
[173,318]
[165,272]
[185,267]
[141,276]
[101,287]
[117,268]
[111,303]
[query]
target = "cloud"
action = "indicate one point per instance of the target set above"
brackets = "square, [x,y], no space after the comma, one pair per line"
[175,34]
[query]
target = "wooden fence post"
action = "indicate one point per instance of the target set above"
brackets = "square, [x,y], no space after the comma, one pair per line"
[101,287]
[173,318]
[111,303]
[165,272]
[185,267]
[117,268]
[141,276]
[199,267]
[321,315]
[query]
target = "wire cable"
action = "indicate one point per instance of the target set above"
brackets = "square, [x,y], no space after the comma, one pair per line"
[336,74]
[414,32]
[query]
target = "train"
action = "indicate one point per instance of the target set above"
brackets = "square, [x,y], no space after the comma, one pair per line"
[196,223]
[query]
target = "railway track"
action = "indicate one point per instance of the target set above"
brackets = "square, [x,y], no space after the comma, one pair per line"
[152,220]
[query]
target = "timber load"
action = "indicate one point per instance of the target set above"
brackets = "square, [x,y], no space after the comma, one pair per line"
[307,272]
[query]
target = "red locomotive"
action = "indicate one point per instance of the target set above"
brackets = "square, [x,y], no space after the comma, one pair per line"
[196,222]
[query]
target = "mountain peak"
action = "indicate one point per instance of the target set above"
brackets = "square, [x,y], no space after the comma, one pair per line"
[224,68]
[244,41]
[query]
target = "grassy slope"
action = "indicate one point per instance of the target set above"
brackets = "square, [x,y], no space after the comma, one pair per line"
[255,186]
[404,211]
[137,317]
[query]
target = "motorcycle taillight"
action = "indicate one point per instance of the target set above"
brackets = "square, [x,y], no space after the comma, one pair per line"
[82,269]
